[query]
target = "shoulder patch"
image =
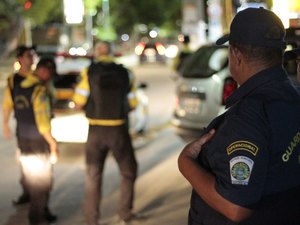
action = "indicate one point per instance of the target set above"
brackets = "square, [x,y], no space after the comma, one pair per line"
[240,170]
[242,146]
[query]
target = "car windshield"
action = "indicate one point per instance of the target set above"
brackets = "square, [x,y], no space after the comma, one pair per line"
[206,61]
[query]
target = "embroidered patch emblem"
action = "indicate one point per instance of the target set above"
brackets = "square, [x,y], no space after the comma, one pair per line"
[21,102]
[240,170]
[242,146]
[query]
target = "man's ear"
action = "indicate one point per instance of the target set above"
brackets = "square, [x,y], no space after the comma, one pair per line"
[237,55]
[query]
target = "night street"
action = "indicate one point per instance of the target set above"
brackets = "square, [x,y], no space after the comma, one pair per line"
[162,194]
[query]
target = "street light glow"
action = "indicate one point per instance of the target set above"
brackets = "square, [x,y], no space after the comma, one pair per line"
[74,11]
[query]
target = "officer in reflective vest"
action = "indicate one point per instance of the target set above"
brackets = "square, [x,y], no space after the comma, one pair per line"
[102,93]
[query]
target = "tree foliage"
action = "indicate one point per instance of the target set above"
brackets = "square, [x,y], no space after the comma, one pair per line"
[155,13]
[45,11]
[124,16]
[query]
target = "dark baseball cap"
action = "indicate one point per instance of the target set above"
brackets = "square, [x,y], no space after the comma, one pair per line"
[22,49]
[292,54]
[257,27]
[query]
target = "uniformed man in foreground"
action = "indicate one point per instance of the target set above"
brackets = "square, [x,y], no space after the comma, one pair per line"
[245,169]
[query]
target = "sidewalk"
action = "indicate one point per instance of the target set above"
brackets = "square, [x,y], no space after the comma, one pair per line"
[6,68]
[162,194]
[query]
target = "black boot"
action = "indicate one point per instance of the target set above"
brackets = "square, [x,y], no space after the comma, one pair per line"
[23,199]
[51,218]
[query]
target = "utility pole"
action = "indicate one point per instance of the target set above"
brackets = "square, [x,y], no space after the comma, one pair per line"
[227,5]
[105,8]
[28,34]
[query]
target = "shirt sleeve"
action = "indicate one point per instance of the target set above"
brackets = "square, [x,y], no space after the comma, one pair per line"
[42,109]
[132,96]
[82,89]
[238,154]
[7,103]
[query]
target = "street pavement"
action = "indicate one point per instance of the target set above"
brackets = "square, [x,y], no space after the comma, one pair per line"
[162,194]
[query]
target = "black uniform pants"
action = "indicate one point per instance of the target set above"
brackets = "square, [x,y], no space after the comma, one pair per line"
[101,139]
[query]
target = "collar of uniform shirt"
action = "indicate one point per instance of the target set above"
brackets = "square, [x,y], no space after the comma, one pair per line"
[262,77]
[29,81]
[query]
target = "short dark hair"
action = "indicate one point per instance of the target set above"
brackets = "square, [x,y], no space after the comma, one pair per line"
[265,55]
[186,39]
[22,49]
[47,62]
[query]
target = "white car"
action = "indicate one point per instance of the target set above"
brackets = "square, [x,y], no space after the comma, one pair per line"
[202,88]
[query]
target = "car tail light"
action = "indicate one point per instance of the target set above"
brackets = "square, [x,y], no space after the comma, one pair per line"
[230,86]
[160,48]
[139,48]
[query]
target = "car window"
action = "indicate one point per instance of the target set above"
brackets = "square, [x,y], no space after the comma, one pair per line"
[206,61]
[218,59]
[66,65]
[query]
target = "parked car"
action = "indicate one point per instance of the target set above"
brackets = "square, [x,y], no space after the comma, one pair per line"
[201,89]
[70,124]
[204,85]
[68,75]
[150,52]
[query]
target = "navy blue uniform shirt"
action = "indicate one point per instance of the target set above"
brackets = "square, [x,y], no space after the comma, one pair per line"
[255,151]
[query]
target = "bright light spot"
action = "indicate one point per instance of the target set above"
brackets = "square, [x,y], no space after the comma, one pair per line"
[71,105]
[17,66]
[180,37]
[246,5]
[160,48]
[94,32]
[34,165]
[77,51]
[216,78]
[153,33]
[64,39]
[139,48]
[81,51]
[74,11]
[171,51]
[281,8]
[125,37]
[70,128]
[27,5]
[72,51]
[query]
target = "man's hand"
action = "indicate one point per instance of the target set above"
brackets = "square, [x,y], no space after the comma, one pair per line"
[53,152]
[78,106]
[193,149]
[53,147]
[6,132]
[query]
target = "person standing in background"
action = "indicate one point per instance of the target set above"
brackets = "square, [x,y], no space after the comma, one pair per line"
[183,54]
[102,93]
[32,107]
[25,60]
